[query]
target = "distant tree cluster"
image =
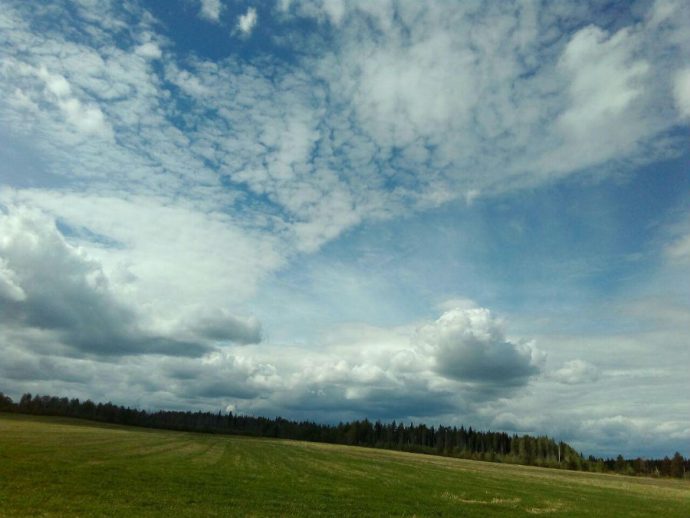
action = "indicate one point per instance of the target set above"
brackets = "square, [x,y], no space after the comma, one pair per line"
[443,440]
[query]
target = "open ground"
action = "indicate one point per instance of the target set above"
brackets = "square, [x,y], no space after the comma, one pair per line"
[58,466]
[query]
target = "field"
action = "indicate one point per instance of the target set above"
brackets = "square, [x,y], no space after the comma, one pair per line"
[57,467]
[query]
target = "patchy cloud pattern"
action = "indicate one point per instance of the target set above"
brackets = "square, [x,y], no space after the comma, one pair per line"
[452,212]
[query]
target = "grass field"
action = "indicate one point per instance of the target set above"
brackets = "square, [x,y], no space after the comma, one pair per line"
[57,467]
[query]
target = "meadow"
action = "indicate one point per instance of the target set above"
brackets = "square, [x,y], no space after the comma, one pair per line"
[67,467]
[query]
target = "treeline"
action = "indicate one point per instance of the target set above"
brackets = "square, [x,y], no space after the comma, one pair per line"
[442,440]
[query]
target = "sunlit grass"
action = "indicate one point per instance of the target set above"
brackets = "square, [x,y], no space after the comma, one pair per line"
[57,467]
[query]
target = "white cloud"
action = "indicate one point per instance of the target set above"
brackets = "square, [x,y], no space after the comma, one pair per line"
[211,10]
[247,21]
[63,290]
[205,260]
[364,370]
[220,325]
[679,250]
[359,371]
[677,247]
[87,119]
[636,378]
[10,288]
[326,168]
[149,50]
[605,84]
[49,284]
[575,372]
[324,10]
[681,92]
[515,105]
[469,345]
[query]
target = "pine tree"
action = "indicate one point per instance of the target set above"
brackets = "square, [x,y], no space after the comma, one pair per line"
[677,466]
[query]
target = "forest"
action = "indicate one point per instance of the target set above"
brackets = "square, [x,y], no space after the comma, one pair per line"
[466,443]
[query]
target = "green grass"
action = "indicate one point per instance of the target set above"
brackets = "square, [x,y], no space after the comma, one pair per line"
[57,467]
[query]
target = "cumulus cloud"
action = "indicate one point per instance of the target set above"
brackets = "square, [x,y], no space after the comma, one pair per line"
[210,10]
[178,263]
[225,375]
[247,21]
[220,325]
[48,284]
[469,345]
[358,371]
[9,284]
[23,366]
[575,372]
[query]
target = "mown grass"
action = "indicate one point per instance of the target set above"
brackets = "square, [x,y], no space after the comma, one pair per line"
[58,467]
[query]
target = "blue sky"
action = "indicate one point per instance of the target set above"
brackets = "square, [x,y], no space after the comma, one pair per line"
[442,211]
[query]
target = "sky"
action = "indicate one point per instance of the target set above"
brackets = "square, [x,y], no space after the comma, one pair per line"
[442,212]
